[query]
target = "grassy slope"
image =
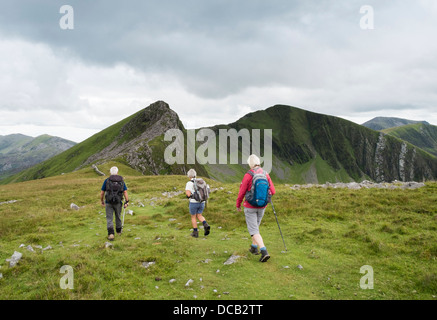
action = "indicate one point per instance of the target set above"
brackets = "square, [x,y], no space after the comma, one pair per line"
[25,152]
[420,135]
[304,144]
[12,141]
[330,232]
[72,158]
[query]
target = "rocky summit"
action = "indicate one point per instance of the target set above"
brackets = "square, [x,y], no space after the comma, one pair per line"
[307,148]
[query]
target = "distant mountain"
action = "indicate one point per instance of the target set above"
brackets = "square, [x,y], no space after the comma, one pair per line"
[19,152]
[136,141]
[422,135]
[307,148]
[381,123]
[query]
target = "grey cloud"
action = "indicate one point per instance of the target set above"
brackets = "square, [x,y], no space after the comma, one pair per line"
[218,49]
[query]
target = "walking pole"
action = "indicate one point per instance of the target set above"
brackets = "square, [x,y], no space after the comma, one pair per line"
[278,225]
[124,213]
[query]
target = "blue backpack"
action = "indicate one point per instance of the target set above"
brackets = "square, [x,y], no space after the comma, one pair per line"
[258,195]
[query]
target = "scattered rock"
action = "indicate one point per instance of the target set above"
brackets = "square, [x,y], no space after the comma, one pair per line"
[14,259]
[108,244]
[29,247]
[100,173]
[366,184]
[74,206]
[299,267]
[172,280]
[147,264]
[171,194]
[232,259]
[189,282]
[8,202]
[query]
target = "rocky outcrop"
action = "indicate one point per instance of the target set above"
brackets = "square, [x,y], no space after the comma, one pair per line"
[366,184]
[136,143]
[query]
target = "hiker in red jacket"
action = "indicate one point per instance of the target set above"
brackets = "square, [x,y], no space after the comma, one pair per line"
[252,213]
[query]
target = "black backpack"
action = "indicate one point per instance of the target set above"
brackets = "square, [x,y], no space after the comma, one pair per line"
[114,189]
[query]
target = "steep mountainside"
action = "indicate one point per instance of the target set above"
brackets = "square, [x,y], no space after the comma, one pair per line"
[19,152]
[421,135]
[315,148]
[306,148]
[381,123]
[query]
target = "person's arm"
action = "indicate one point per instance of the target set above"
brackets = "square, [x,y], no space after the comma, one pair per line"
[272,187]
[188,188]
[243,188]
[126,198]
[102,194]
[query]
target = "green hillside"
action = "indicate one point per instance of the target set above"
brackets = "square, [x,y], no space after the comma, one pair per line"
[421,135]
[315,148]
[13,141]
[72,158]
[330,234]
[19,152]
[382,123]
[307,147]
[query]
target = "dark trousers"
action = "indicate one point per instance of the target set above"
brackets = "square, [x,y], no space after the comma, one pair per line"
[112,208]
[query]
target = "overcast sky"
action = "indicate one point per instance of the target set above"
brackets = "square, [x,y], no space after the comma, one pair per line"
[213,61]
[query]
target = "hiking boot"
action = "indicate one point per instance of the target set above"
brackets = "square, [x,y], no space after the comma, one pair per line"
[195,234]
[254,250]
[206,228]
[264,256]
[111,237]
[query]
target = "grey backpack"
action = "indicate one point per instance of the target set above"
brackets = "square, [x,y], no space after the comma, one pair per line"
[201,190]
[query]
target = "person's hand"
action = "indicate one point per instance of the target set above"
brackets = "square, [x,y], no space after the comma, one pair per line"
[126,204]
[102,203]
[239,209]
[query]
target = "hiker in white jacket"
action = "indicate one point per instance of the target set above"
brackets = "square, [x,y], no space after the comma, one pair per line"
[196,207]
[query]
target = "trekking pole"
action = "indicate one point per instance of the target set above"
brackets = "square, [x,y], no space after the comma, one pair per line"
[278,225]
[124,213]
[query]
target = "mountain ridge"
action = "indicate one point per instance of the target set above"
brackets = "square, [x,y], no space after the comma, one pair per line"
[422,135]
[307,147]
[382,123]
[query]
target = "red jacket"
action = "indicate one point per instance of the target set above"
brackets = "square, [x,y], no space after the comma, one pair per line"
[246,185]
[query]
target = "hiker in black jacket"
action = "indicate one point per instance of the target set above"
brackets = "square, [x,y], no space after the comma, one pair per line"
[114,188]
